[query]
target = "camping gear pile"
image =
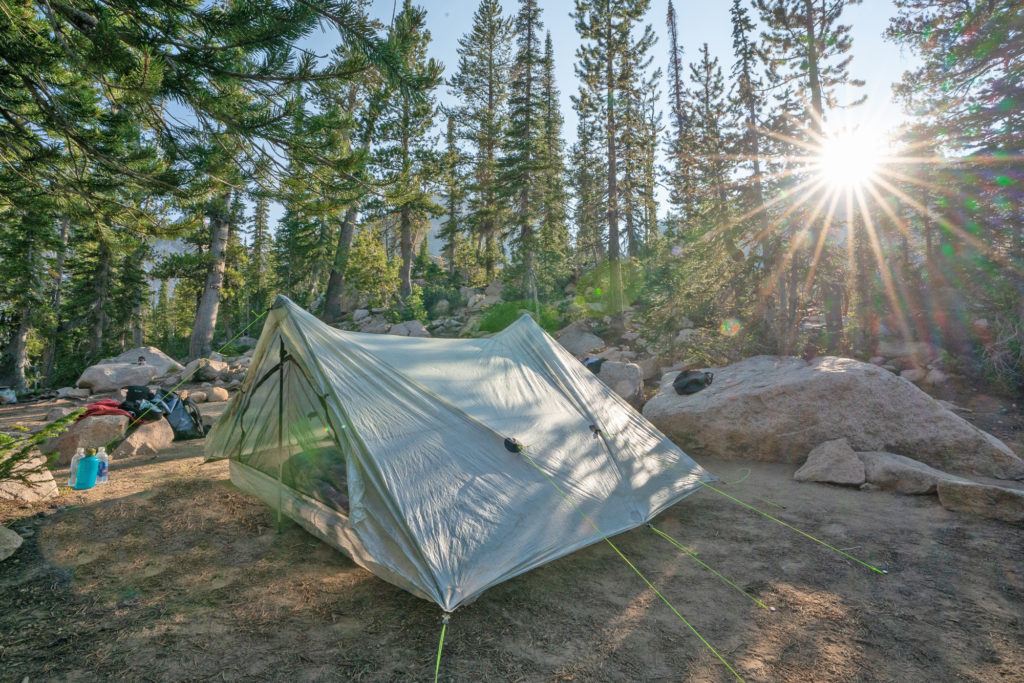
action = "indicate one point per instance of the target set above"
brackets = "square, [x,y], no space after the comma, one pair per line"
[142,404]
[396,450]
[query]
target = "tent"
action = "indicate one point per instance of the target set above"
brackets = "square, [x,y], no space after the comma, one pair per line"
[444,466]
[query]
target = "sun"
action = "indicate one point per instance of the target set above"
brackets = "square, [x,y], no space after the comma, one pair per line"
[850,158]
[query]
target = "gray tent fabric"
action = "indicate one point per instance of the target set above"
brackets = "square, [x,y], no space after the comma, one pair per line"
[393,449]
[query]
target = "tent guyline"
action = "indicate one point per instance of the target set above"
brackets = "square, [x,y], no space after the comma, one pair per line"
[799,531]
[440,644]
[711,569]
[635,569]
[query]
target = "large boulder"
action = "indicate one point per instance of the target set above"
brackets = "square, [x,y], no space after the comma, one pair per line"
[577,338]
[994,502]
[10,541]
[901,474]
[90,432]
[154,356]
[832,462]
[205,370]
[113,376]
[409,328]
[625,379]
[38,484]
[777,409]
[146,439]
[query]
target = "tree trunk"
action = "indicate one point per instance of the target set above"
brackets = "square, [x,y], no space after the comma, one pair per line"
[406,248]
[101,287]
[16,356]
[336,283]
[614,265]
[201,342]
[50,355]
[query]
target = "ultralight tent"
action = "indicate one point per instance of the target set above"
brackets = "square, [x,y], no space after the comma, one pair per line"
[444,466]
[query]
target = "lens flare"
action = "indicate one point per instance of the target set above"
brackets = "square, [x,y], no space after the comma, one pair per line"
[730,327]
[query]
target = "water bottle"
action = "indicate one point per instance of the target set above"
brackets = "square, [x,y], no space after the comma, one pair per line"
[85,473]
[101,474]
[79,454]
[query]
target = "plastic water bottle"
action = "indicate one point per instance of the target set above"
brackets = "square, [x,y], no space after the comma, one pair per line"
[101,474]
[85,473]
[79,454]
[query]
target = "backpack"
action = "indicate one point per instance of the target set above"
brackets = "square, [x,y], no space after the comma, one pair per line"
[691,381]
[184,417]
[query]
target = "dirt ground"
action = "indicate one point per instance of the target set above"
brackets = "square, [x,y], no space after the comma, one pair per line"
[170,573]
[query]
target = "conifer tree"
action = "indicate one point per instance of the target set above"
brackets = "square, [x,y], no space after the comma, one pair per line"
[554,234]
[481,86]
[522,163]
[454,194]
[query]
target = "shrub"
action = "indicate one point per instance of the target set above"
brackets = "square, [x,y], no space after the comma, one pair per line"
[17,450]
[500,316]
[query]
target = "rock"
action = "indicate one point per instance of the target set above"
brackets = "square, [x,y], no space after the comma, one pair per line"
[896,348]
[686,336]
[994,502]
[8,396]
[375,325]
[650,367]
[495,289]
[214,355]
[577,338]
[205,369]
[90,432]
[440,308]
[39,484]
[72,392]
[833,462]
[686,324]
[878,360]
[113,376]
[409,328]
[776,409]
[360,314]
[914,375]
[147,438]
[197,396]
[901,474]
[476,302]
[10,541]
[154,356]
[625,379]
[935,377]
[217,394]
[246,342]
[57,413]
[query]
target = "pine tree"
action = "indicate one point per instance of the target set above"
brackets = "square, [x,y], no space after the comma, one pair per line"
[454,197]
[679,142]
[606,29]
[404,160]
[553,263]
[481,87]
[522,163]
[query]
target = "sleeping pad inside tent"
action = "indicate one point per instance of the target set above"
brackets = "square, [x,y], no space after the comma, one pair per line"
[433,463]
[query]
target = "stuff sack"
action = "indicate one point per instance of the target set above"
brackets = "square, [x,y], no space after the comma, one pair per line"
[184,417]
[691,381]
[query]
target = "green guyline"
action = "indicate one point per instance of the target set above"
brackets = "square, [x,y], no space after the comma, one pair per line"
[799,531]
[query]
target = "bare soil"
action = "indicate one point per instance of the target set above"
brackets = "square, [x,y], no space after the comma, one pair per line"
[170,573]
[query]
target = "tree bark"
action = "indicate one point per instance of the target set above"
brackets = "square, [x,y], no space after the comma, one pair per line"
[336,283]
[50,355]
[101,287]
[201,342]
[614,265]
[406,250]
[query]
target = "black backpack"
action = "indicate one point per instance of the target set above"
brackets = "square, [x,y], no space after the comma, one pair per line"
[184,417]
[691,381]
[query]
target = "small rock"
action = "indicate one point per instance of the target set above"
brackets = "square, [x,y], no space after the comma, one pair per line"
[936,377]
[625,379]
[360,314]
[686,336]
[198,396]
[72,392]
[994,502]
[10,541]
[409,328]
[878,360]
[205,369]
[217,394]
[577,338]
[440,308]
[914,375]
[57,413]
[148,438]
[832,462]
